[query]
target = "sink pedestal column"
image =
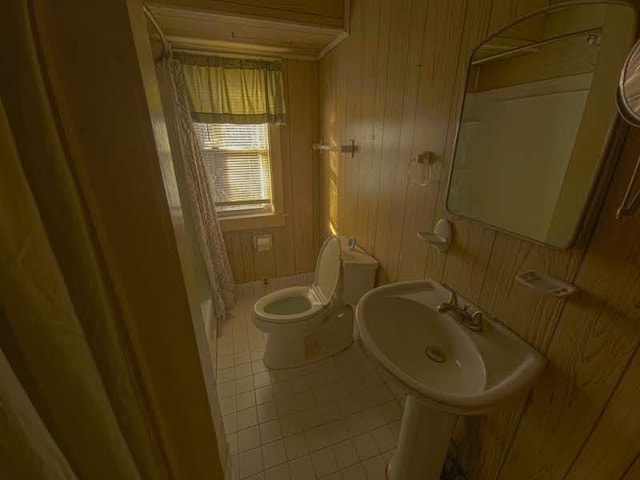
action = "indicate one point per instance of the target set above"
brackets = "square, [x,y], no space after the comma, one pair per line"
[424,439]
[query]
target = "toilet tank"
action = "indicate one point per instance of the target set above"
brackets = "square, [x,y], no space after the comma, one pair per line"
[358,274]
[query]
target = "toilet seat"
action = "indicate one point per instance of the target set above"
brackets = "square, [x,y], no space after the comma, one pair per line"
[267,307]
[301,303]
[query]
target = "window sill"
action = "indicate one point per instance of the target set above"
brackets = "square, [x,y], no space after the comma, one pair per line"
[252,222]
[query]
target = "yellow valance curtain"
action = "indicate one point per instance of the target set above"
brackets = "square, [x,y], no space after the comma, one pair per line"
[234,90]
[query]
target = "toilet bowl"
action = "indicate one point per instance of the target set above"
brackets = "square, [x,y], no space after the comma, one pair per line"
[307,323]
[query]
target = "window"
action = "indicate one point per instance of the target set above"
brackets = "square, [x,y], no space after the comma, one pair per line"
[238,163]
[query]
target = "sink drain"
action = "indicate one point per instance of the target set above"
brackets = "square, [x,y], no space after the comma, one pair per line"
[435,354]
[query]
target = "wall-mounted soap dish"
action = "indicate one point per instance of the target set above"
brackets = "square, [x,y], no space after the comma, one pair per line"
[440,237]
[546,284]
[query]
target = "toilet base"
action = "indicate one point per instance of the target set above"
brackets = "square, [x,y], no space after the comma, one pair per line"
[289,351]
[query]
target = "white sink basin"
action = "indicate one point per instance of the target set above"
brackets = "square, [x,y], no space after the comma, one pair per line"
[448,369]
[398,322]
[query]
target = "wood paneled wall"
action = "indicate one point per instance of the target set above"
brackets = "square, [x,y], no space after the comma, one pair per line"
[395,86]
[294,245]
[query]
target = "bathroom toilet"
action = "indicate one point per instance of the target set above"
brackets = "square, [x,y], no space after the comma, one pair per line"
[307,323]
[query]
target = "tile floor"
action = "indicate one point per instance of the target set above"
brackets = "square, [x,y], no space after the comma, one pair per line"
[335,419]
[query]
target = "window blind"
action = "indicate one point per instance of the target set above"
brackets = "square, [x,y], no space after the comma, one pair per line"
[237,161]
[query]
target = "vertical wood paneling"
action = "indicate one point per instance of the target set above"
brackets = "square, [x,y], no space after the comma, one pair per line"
[619,425]
[340,72]
[287,236]
[325,170]
[294,244]
[409,98]
[438,66]
[634,471]
[301,88]
[370,61]
[411,106]
[400,15]
[352,112]
[370,194]
[246,245]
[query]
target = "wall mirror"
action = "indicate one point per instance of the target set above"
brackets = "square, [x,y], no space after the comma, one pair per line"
[538,108]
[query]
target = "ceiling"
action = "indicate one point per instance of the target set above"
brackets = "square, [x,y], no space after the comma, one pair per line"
[204,30]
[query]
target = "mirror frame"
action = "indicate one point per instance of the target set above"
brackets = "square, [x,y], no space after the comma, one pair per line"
[624,109]
[606,146]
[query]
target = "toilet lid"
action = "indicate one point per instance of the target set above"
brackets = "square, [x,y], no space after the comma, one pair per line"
[328,270]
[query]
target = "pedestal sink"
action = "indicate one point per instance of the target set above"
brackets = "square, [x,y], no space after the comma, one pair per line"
[449,369]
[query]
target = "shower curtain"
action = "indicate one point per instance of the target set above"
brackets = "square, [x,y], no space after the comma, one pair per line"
[197,185]
[71,401]
[70,404]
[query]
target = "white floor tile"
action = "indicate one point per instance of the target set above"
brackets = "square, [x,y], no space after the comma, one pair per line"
[302,469]
[245,400]
[243,384]
[329,420]
[230,423]
[278,473]
[354,472]
[333,476]
[395,428]
[270,431]
[248,439]
[257,366]
[365,446]
[257,354]
[262,379]
[388,455]
[250,463]
[232,442]
[296,446]
[357,424]
[384,438]
[225,349]
[232,468]
[227,405]
[264,394]
[242,357]
[243,370]
[225,375]
[329,411]
[375,468]
[345,454]
[324,462]
[300,384]
[225,361]
[226,389]
[392,411]
[316,438]
[273,454]
[281,389]
[267,412]
[247,418]
[375,418]
[291,424]
[335,432]
[309,418]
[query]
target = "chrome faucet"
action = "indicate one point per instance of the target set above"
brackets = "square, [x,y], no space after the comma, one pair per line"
[472,321]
